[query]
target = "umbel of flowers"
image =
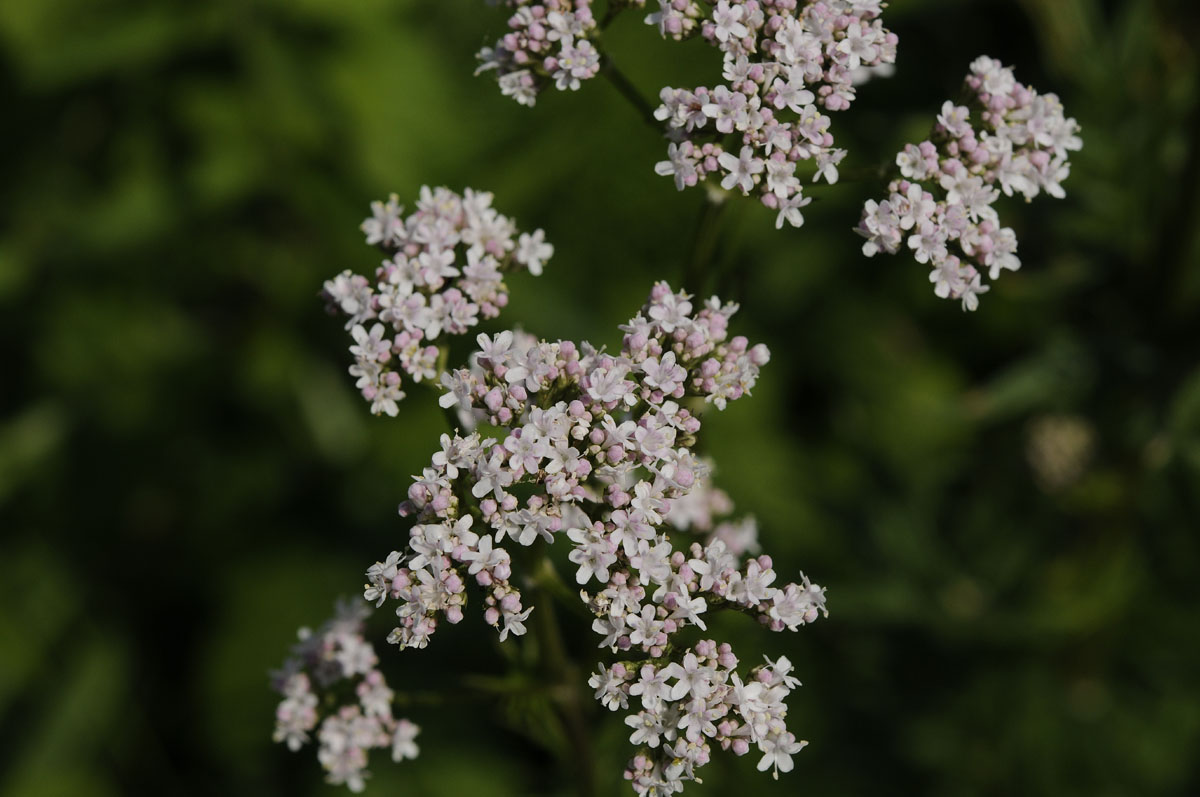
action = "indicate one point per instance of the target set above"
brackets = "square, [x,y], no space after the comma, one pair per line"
[786,63]
[548,42]
[600,445]
[338,655]
[443,269]
[1007,139]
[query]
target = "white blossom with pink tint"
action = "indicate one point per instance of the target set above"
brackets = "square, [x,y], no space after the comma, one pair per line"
[786,65]
[337,652]
[596,448]
[443,271]
[1008,139]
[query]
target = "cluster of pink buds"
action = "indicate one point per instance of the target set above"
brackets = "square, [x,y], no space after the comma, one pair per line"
[941,206]
[595,448]
[444,268]
[547,43]
[320,661]
[783,66]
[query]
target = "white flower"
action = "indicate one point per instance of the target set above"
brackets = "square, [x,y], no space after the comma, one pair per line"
[928,243]
[777,750]
[371,347]
[781,177]
[514,624]
[648,727]
[971,292]
[485,557]
[403,741]
[384,226]
[791,93]
[591,553]
[610,688]
[690,609]
[740,169]
[679,164]
[690,677]
[727,21]
[532,251]
[789,210]
[955,118]
[645,627]
[859,45]
[663,373]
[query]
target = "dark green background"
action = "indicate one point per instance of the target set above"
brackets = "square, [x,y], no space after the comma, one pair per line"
[187,474]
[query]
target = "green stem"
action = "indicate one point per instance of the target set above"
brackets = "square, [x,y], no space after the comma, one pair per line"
[614,7]
[548,579]
[562,676]
[704,243]
[629,91]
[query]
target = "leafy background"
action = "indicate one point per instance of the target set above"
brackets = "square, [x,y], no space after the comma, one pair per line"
[1003,505]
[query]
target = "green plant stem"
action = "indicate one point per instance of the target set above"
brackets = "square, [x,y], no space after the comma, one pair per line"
[704,243]
[615,7]
[562,675]
[629,91]
[549,580]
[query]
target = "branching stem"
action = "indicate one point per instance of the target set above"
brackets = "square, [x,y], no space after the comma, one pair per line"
[629,91]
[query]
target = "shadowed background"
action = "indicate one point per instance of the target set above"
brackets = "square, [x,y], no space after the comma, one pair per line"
[1002,505]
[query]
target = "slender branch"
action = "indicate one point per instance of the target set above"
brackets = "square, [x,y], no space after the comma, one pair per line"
[562,673]
[548,579]
[704,241]
[471,690]
[629,91]
[615,7]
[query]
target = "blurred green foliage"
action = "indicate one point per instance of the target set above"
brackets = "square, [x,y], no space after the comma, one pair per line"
[1004,505]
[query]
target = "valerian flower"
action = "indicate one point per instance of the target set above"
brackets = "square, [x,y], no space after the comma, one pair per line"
[595,448]
[443,270]
[320,660]
[1007,139]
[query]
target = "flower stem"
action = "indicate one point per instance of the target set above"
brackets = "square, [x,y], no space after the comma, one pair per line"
[629,91]
[563,678]
[704,243]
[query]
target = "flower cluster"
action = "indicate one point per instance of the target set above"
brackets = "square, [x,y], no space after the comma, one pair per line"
[444,268]
[941,206]
[785,62]
[783,67]
[599,446]
[336,653]
[547,43]
[695,697]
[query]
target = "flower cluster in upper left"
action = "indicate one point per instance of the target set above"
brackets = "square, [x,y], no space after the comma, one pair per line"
[444,268]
